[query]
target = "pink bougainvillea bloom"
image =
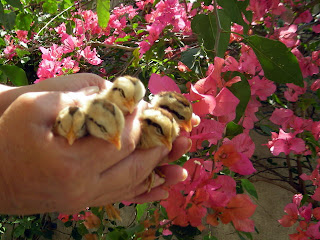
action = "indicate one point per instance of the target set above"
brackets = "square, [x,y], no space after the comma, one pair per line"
[158,83]
[316,28]
[313,230]
[22,35]
[305,212]
[208,129]
[261,87]
[238,210]
[53,53]
[227,154]
[91,56]
[288,220]
[307,64]
[282,116]
[226,103]
[203,103]
[230,64]
[285,142]
[238,29]
[294,91]
[315,85]
[248,62]
[288,35]
[304,17]
[315,129]
[144,46]
[297,198]
[243,166]
[316,195]
[243,144]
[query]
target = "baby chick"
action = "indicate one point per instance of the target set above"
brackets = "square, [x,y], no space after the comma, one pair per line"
[126,92]
[158,127]
[177,105]
[105,120]
[70,123]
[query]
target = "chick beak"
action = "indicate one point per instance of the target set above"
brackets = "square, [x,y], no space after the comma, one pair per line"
[187,126]
[167,143]
[71,136]
[130,104]
[116,141]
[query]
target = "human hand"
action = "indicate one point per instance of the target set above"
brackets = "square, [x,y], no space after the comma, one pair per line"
[42,173]
[69,83]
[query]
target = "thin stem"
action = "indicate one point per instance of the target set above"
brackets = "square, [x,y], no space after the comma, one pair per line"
[274,183]
[289,169]
[301,182]
[51,20]
[219,28]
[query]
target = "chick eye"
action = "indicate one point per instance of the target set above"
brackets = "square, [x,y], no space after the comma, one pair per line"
[159,130]
[120,90]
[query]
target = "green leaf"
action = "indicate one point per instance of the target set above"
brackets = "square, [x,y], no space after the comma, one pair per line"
[207,33]
[103,12]
[23,21]
[9,20]
[117,235]
[241,90]
[15,3]
[234,10]
[278,62]
[18,231]
[233,130]
[50,6]
[75,234]
[16,75]
[141,208]
[21,53]
[189,58]
[249,187]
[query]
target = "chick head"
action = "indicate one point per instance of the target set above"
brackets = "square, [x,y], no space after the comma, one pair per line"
[105,120]
[177,105]
[126,92]
[70,123]
[158,127]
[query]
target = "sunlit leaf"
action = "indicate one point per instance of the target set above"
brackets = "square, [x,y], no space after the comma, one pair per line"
[208,32]
[278,62]
[103,12]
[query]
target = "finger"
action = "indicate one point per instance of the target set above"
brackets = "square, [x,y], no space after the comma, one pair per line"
[195,120]
[122,195]
[155,194]
[131,171]
[179,147]
[172,174]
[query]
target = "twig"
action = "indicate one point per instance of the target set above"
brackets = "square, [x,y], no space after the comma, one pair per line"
[289,169]
[51,20]
[277,184]
[219,28]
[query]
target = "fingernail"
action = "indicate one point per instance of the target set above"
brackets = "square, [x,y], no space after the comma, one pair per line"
[158,181]
[90,90]
[165,195]
[184,174]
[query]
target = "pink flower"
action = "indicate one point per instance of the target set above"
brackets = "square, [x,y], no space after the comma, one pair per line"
[238,29]
[54,53]
[285,142]
[282,116]
[294,91]
[144,47]
[315,85]
[91,56]
[316,28]
[261,87]
[248,61]
[304,17]
[158,83]
[22,35]
[288,220]
[288,35]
